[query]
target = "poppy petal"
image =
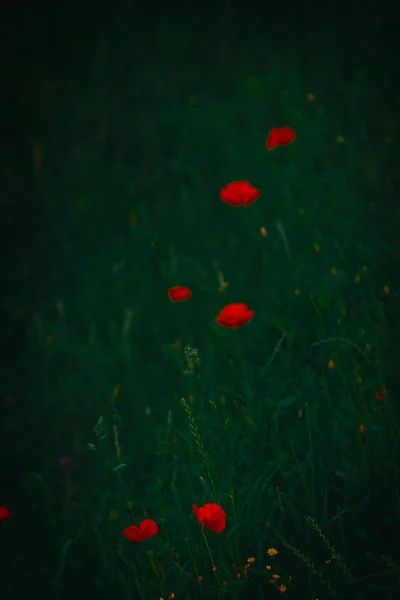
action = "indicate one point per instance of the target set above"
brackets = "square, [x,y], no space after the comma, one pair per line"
[230,197]
[280,136]
[234,309]
[148,528]
[238,193]
[234,323]
[5,513]
[132,533]
[252,196]
[179,293]
[245,317]
[287,136]
[215,517]
[234,315]
[223,322]
[196,511]
[211,516]
[272,140]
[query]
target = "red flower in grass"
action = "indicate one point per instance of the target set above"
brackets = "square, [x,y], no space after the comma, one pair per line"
[5,514]
[211,516]
[280,136]
[146,529]
[239,193]
[379,395]
[234,315]
[179,293]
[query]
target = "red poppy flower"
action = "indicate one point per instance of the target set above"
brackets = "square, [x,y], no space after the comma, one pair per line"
[239,193]
[379,395]
[234,315]
[146,529]
[4,513]
[211,516]
[179,293]
[280,136]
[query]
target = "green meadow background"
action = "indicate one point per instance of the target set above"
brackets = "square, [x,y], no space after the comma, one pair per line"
[120,126]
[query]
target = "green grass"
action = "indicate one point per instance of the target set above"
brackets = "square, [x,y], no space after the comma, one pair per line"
[134,153]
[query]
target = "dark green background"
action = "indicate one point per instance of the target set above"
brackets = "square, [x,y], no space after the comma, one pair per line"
[103,91]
